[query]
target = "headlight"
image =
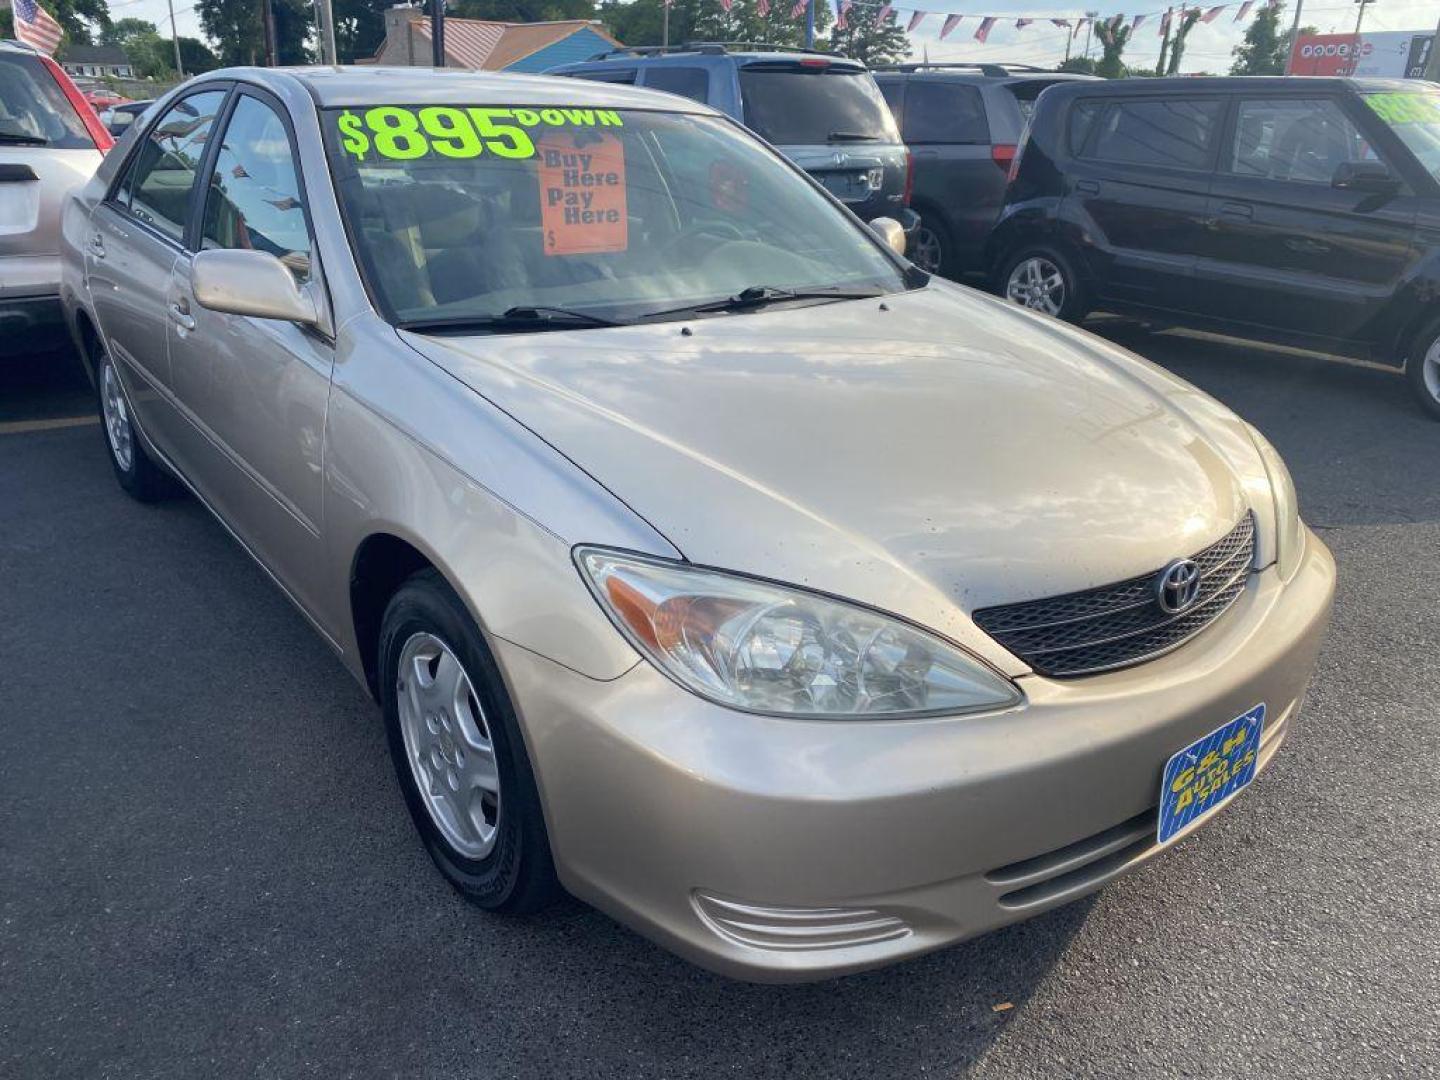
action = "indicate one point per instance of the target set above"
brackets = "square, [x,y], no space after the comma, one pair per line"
[765,648]
[1289,532]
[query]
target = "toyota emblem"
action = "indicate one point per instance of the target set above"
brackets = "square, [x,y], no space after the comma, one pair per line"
[1178,586]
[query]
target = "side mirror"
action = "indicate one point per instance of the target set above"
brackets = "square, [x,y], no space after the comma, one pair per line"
[252,283]
[890,231]
[1373,176]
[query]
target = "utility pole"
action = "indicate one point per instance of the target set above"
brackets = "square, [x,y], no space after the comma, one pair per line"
[267,27]
[325,18]
[665,23]
[810,25]
[1359,22]
[175,40]
[1294,36]
[437,33]
[1070,38]
[1090,17]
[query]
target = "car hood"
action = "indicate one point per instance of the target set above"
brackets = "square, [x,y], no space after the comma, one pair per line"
[930,455]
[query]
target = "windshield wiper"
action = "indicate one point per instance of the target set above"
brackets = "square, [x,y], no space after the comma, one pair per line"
[22,138]
[852,136]
[757,296]
[524,318]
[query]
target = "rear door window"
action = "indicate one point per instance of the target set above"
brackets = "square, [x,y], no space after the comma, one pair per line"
[690,82]
[34,110]
[800,104]
[938,112]
[160,187]
[1176,134]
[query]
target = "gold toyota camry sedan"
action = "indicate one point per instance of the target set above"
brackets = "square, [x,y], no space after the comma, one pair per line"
[707,559]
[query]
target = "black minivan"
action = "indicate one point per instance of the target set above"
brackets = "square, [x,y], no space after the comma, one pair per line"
[1298,210]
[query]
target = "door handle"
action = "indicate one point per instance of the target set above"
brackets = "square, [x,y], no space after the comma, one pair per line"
[1237,210]
[97,246]
[1088,187]
[180,314]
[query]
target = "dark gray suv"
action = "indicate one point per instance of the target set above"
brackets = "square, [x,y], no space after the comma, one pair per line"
[823,112]
[962,123]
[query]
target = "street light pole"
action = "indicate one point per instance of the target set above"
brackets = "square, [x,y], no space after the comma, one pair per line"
[810,25]
[437,33]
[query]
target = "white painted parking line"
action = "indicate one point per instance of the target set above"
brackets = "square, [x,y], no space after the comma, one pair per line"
[24,427]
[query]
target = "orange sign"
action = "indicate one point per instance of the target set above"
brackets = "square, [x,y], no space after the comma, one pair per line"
[582,192]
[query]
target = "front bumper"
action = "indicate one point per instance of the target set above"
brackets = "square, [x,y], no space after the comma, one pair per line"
[786,850]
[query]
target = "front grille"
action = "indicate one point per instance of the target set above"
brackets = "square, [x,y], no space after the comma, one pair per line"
[1116,625]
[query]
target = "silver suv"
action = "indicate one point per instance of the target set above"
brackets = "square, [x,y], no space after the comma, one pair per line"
[50,142]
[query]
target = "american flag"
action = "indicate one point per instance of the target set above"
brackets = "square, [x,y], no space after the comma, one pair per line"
[35,27]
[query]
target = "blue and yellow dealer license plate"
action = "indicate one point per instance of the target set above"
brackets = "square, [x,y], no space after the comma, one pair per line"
[1209,770]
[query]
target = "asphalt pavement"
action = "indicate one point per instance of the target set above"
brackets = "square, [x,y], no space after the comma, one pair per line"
[206,869]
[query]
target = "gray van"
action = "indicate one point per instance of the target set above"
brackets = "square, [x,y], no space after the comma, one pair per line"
[823,112]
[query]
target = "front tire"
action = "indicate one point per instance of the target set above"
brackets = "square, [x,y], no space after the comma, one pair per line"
[1042,279]
[1422,369]
[141,477]
[458,751]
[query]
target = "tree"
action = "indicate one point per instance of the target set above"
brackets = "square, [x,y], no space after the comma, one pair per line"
[1188,18]
[359,27]
[197,56]
[150,55]
[865,38]
[640,22]
[235,26]
[1080,65]
[1265,50]
[1113,39]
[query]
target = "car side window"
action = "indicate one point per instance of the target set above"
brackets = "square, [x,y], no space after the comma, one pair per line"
[1177,134]
[690,82]
[939,112]
[615,75]
[893,91]
[159,189]
[254,199]
[1292,139]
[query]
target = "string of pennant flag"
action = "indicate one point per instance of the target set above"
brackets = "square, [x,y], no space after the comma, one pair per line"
[1105,27]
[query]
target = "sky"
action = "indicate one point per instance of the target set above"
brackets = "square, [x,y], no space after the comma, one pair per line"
[1207,48]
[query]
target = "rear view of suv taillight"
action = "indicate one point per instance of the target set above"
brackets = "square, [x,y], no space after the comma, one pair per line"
[1003,154]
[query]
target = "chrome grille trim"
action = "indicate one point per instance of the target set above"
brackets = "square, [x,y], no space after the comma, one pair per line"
[1118,625]
[774,926]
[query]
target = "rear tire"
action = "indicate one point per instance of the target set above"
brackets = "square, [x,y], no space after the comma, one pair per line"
[1041,279]
[142,478]
[932,248]
[1422,369]
[458,751]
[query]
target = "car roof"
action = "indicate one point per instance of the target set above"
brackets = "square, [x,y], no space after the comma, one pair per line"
[980,73]
[717,52]
[1210,84]
[341,87]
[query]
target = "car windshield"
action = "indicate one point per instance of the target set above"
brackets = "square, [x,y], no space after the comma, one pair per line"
[463,215]
[34,109]
[811,103]
[1414,115]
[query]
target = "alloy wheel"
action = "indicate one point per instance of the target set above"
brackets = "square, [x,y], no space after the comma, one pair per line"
[927,252]
[1038,284]
[1430,369]
[117,417]
[448,744]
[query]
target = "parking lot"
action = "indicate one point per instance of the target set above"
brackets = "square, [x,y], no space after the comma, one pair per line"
[206,868]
